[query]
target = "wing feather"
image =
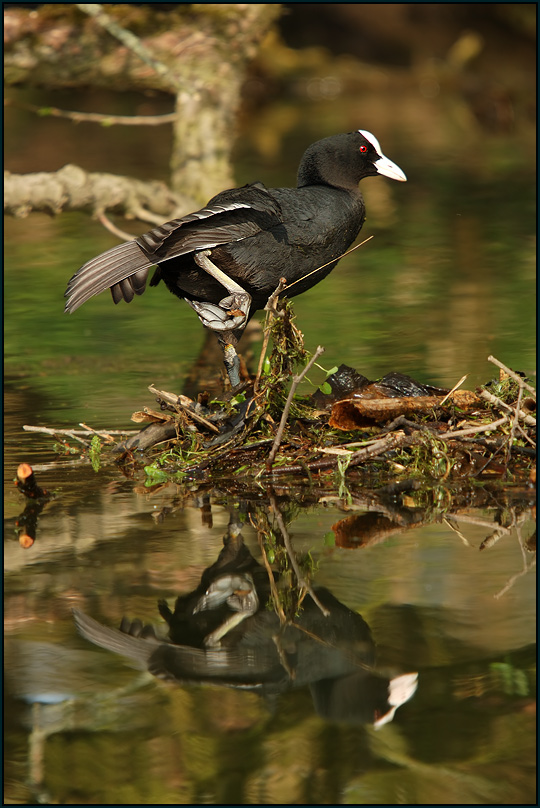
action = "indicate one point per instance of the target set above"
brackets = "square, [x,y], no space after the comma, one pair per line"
[124,269]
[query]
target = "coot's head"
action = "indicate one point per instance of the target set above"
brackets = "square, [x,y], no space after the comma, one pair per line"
[341,161]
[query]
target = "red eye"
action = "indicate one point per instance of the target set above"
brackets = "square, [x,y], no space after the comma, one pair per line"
[363,149]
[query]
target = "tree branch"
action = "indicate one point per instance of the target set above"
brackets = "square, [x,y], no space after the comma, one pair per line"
[94,117]
[71,188]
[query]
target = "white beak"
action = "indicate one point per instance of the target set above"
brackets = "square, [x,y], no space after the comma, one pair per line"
[387,168]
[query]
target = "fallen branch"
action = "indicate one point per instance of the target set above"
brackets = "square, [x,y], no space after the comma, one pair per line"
[72,188]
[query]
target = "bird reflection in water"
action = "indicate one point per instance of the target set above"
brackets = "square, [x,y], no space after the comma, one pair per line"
[223,633]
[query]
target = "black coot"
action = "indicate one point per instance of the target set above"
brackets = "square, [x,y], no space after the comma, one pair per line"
[226,259]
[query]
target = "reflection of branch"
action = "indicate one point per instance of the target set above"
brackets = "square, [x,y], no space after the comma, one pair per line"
[472,520]
[526,568]
[273,588]
[302,582]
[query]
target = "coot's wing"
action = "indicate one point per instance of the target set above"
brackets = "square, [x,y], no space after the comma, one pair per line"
[230,216]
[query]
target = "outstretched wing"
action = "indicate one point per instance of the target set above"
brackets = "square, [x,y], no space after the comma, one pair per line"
[230,216]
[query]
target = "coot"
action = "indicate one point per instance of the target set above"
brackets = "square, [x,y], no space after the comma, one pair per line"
[226,259]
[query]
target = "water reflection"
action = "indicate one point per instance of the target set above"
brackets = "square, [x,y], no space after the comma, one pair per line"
[232,630]
[285,705]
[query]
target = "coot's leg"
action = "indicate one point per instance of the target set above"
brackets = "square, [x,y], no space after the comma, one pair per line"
[222,317]
[231,312]
[228,343]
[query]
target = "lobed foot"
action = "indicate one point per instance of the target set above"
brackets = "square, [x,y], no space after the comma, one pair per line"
[230,313]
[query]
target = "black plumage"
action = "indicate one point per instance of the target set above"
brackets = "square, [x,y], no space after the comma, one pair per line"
[254,235]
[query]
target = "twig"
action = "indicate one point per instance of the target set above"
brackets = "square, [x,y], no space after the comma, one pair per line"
[333,261]
[146,215]
[176,401]
[388,443]
[271,311]
[473,430]
[449,524]
[453,390]
[295,382]
[70,433]
[103,434]
[514,376]
[95,117]
[514,425]
[131,41]
[83,460]
[291,673]
[302,583]
[502,405]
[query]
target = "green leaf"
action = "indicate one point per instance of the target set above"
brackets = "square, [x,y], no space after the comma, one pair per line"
[95,452]
[325,388]
[155,475]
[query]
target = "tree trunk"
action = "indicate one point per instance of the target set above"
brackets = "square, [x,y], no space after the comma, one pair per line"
[196,52]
